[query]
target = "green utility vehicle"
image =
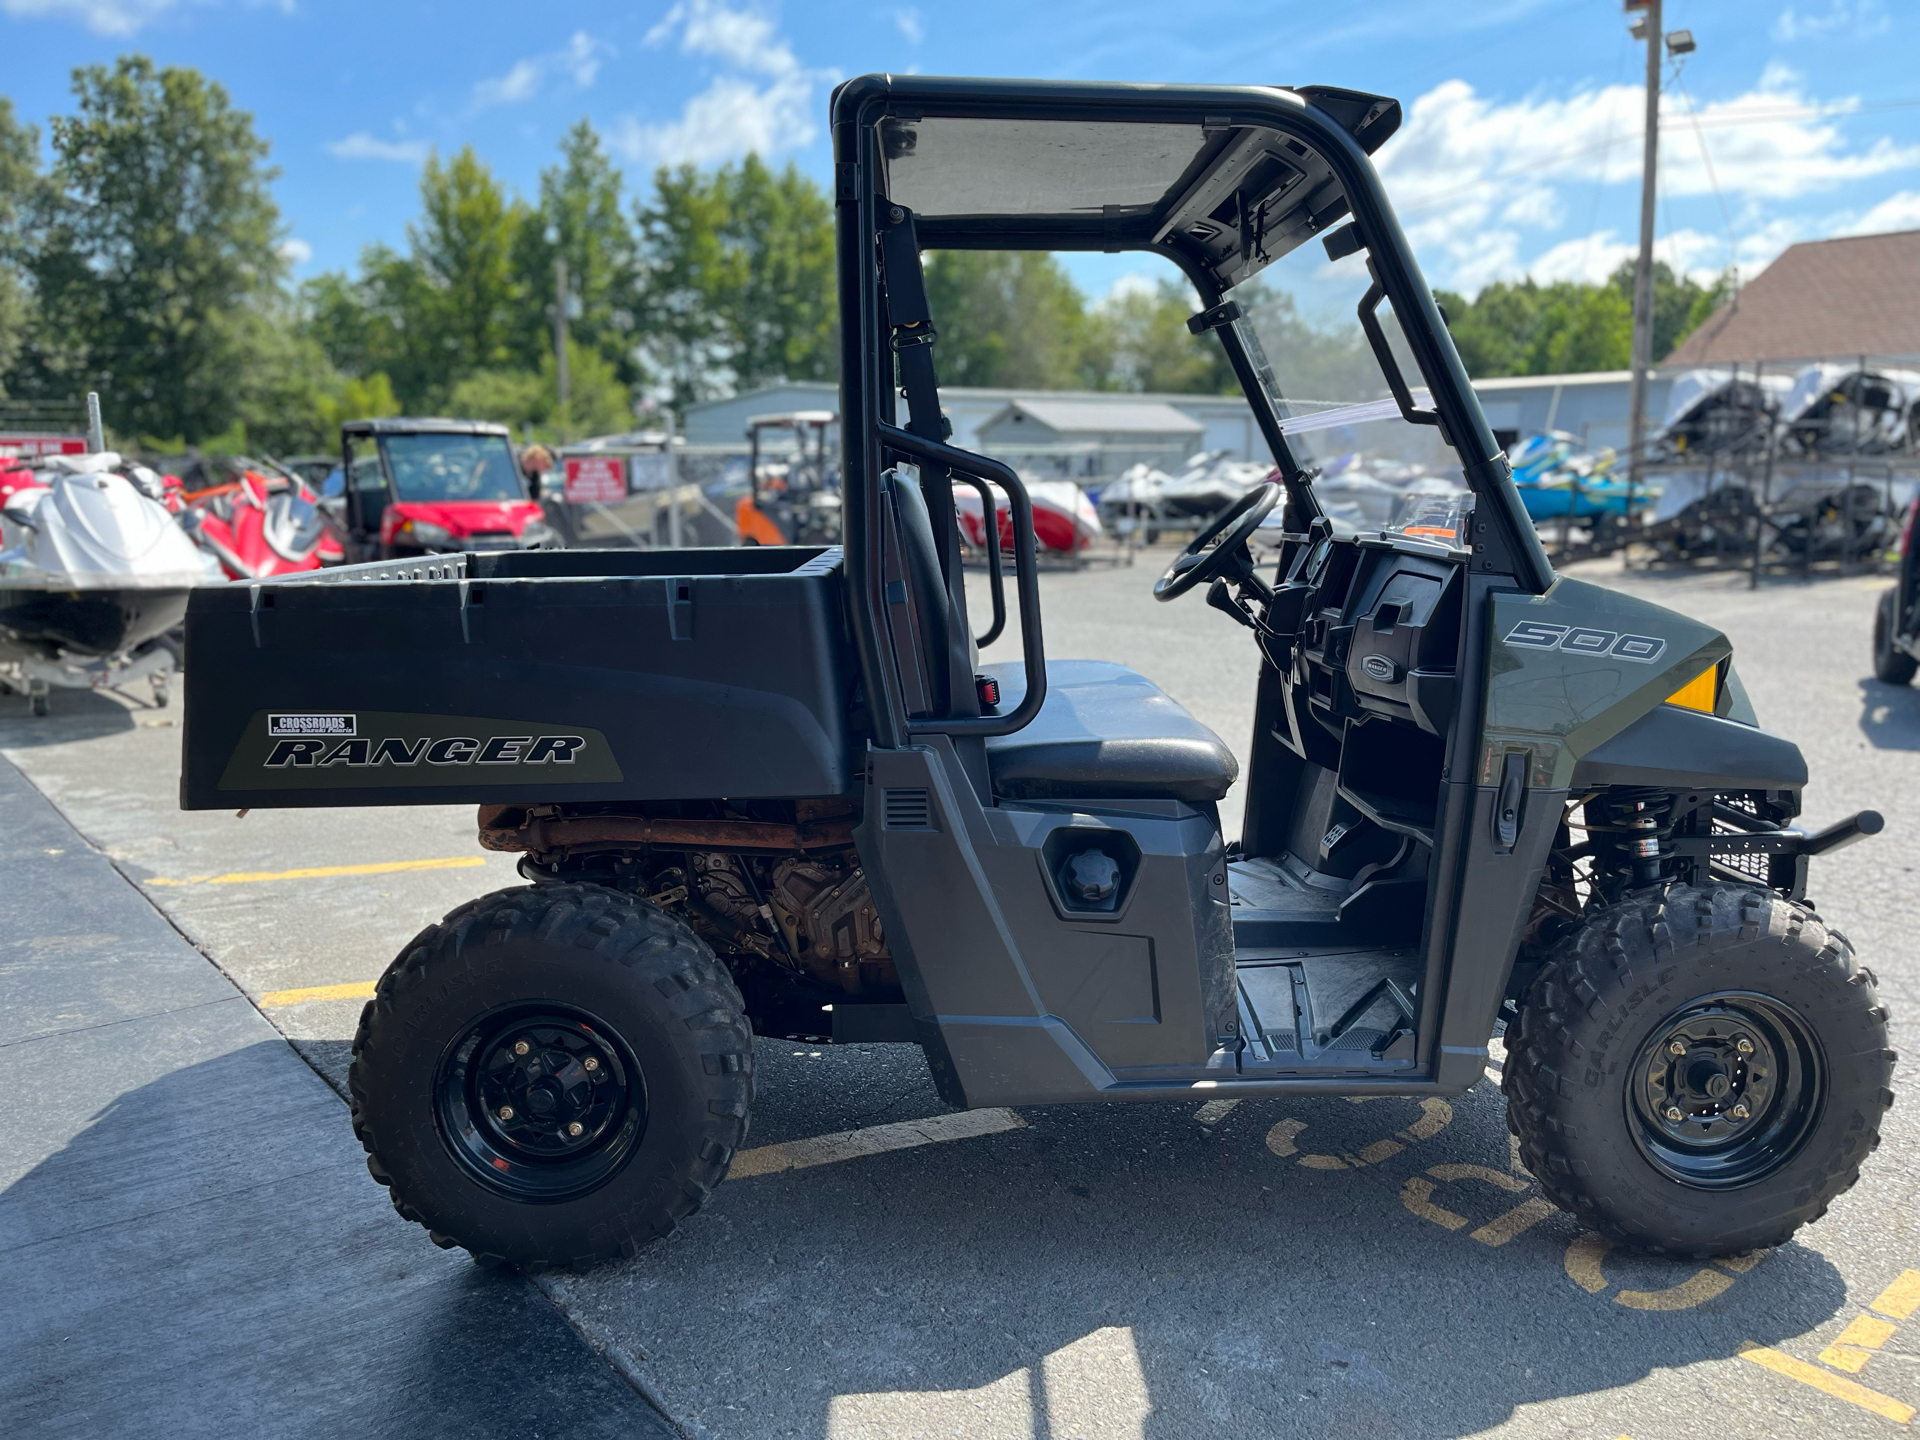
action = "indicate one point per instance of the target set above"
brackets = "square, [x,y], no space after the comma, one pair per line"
[775,791]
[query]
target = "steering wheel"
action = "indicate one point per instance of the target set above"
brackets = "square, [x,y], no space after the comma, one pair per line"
[1232,528]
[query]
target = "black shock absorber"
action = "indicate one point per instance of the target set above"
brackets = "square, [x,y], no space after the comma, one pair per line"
[1641,819]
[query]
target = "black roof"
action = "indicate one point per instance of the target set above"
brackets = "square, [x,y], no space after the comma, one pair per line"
[416,425]
[1232,177]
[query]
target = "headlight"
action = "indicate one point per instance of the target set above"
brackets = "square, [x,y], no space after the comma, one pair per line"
[537,532]
[425,533]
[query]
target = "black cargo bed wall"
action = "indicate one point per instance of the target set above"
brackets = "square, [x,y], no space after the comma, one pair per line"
[537,676]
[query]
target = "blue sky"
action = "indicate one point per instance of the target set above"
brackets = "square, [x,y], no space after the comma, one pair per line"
[1520,153]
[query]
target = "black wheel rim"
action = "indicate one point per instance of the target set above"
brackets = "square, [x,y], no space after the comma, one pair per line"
[540,1102]
[1726,1090]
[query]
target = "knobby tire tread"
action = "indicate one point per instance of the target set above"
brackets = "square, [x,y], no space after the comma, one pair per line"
[1587,981]
[664,957]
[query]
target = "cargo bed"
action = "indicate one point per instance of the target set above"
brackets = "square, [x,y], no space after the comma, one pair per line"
[539,675]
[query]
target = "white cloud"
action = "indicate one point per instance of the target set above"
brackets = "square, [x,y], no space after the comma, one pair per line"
[1896,212]
[767,108]
[579,60]
[1853,18]
[1472,176]
[103,17]
[362,146]
[1134,282]
[295,251]
[115,17]
[910,24]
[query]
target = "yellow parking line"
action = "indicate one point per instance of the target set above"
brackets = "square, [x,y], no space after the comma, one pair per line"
[320,872]
[1901,1298]
[1831,1384]
[874,1140]
[359,990]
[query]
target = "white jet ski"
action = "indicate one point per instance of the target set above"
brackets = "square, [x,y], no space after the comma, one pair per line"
[95,572]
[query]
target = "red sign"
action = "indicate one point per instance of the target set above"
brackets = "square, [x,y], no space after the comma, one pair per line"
[28,445]
[596,478]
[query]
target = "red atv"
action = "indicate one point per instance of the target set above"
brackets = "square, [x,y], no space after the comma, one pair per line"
[419,487]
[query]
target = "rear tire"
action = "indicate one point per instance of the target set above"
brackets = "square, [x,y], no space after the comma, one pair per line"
[552,1076]
[1647,1145]
[1890,666]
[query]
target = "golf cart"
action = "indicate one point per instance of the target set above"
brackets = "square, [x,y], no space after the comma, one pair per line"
[775,791]
[424,487]
[795,499]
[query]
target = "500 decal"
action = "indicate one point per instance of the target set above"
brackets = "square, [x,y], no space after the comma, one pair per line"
[454,750]
[1578,640]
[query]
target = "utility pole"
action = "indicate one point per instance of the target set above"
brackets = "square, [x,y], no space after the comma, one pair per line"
[1643,271]
[561,301]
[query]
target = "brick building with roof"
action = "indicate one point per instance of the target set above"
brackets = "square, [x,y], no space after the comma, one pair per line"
[1821,300]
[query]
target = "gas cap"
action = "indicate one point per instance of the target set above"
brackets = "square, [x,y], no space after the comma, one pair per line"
[1092,876]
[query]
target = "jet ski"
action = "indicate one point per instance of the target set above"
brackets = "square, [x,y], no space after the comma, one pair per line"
[1064,520]
[93,573]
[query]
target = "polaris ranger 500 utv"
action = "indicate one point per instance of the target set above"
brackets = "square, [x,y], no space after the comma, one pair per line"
[773,790]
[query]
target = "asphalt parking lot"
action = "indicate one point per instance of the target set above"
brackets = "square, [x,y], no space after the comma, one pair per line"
[1268,1268]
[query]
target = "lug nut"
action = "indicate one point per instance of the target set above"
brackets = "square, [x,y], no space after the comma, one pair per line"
[576,1129]
[589,1064]
[520,1047]
[1743,1045]
[1676,1047]
[505,1112]
[1674,1114]
[1740,1111]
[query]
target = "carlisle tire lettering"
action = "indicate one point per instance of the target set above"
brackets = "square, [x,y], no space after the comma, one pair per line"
[1583,640]
[365,753]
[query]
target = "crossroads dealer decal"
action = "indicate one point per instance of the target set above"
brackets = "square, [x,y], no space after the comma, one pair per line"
[282,750]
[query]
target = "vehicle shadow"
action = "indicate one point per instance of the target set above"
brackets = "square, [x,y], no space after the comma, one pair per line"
[209,1256]
[73,715]
[1298,1268]
[1890,715]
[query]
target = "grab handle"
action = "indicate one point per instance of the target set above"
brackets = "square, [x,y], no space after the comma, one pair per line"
[1026,576]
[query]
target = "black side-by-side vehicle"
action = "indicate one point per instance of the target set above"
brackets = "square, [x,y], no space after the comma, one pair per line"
[775,791]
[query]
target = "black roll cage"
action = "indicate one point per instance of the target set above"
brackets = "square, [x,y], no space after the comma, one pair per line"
[1505,547]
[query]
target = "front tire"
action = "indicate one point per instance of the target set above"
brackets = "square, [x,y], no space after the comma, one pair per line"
[553,1076]
[1699,1071]
[1890,666]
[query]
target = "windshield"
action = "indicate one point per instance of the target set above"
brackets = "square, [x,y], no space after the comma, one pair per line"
[452,467]
[1370,468]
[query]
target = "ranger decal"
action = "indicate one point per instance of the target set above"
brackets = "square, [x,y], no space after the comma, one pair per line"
[463,757]
[452,750]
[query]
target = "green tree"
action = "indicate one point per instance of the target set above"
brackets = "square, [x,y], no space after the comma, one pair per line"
[1680,303]
[453,305]
[1008,318]
[462,248]
[19,186]
[582,216]
[1138,340]
[157,264]
[1585,328]
[598,401]
[371,398]
[1310,363]
[739,284]
[1525,328]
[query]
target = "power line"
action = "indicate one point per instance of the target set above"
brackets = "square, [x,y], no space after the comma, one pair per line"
[1706,156]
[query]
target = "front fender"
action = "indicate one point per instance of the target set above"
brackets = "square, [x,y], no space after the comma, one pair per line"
[1679,749]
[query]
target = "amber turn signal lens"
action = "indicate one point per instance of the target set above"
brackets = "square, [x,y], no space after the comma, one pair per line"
[1700,692]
